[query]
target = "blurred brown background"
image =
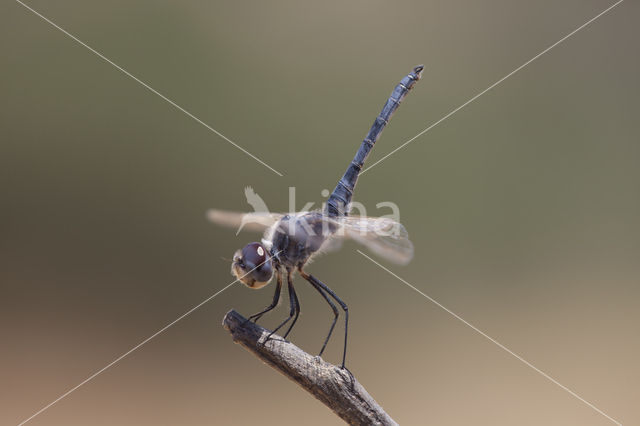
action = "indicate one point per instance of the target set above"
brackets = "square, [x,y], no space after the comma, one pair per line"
[524,207]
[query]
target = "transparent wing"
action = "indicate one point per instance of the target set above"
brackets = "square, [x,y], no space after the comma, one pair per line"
[383,236]
[255,222]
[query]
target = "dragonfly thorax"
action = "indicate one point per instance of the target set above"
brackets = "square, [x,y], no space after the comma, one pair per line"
[295,238]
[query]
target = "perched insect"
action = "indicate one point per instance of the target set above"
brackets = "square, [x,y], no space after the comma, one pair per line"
[290,240]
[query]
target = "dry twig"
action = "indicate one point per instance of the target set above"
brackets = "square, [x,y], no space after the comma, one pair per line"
[335,387]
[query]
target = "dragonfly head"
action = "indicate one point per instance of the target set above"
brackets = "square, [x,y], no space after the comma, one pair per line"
[252,265]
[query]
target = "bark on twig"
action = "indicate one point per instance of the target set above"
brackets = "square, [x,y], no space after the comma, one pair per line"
[335,387]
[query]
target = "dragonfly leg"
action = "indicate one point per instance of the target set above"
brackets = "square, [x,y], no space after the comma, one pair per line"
[297,303]
[276,299]
[328,299]
[292,303]
[344,306]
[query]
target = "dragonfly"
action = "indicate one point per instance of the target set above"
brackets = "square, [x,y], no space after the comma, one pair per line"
[290,240]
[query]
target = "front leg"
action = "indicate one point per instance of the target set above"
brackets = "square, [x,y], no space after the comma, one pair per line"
[276,299]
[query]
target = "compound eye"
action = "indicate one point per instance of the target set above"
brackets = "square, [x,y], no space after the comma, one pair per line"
[254,254]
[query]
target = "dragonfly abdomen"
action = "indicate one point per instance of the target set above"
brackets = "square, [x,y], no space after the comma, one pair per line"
[338,202]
